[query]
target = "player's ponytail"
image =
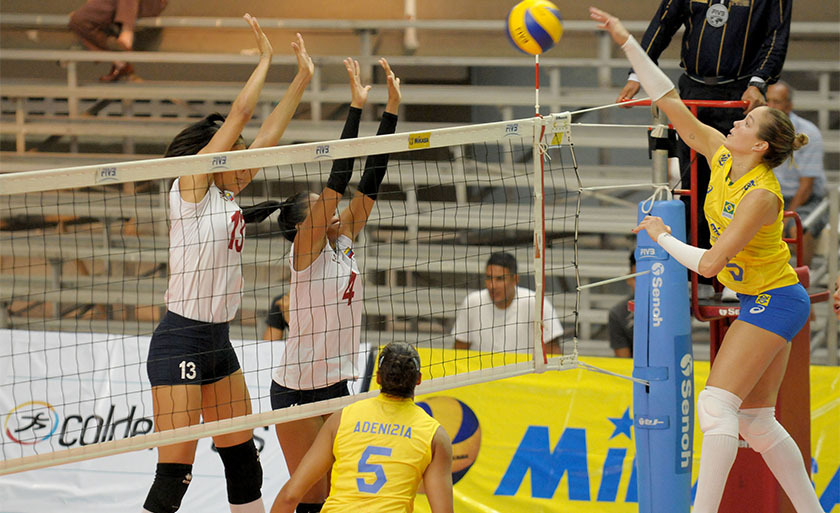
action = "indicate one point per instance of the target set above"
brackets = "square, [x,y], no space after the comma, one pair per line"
[399,368]
[782,139]
[292,213]
[192,139]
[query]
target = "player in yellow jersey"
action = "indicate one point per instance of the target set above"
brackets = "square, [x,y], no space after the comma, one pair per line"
[744,210]
[379,449]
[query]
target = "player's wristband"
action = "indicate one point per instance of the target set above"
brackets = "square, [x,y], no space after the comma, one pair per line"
[655,82]
[687,255]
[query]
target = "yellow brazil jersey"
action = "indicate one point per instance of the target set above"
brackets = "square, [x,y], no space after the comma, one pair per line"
[382,448]
[763,263]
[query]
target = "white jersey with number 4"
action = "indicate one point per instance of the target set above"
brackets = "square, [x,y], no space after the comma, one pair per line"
[205,255]
[325,310]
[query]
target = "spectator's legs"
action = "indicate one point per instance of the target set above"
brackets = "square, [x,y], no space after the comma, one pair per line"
[93,23]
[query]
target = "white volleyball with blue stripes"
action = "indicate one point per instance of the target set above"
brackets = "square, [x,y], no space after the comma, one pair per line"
[534,26]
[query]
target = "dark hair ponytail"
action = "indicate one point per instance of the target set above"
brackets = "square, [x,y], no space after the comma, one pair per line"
[399,368]
[192,139]
[292,213]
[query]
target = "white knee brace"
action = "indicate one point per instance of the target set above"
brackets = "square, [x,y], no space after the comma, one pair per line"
[760,428]
[717,411]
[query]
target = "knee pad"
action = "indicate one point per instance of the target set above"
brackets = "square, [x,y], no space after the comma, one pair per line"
[717,412]
[243,472]
[760,428]
[170,485]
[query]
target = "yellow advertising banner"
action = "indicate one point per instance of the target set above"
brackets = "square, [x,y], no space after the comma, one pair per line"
[563,441]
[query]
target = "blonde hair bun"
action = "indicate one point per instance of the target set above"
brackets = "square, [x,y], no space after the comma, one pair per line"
[799,140]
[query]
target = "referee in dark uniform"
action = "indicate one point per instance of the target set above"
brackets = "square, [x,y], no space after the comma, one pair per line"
[731,50]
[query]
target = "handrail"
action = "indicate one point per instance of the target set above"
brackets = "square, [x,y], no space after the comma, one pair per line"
[27,54]
[59,20]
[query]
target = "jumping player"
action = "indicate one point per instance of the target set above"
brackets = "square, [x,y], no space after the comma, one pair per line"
[192,367]
[744,211]
[325,312]
[379,470]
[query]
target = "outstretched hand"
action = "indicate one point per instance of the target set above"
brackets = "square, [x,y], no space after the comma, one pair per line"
[611,24]
[394,93]
[306,68]
[654,227]
[359,92]
[263,44]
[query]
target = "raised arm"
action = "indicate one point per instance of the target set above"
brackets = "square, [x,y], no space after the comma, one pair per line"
[194,187]
[318,460]
[276,123]
[438,475]
[702,138]
[354,218]
[661,29]
[312,234]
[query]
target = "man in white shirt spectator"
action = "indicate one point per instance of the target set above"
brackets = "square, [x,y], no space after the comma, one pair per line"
[803,178]
[500,318]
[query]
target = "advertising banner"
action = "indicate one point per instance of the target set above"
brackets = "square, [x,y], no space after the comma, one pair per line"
[553,442]
[563,441]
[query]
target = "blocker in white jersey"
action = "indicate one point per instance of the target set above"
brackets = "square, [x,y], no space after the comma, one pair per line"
[192,366]
[325,320]
[205,255]
[326,294]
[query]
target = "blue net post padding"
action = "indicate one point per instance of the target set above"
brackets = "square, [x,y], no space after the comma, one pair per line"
[664,410]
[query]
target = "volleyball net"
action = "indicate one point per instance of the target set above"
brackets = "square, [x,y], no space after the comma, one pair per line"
[85,264]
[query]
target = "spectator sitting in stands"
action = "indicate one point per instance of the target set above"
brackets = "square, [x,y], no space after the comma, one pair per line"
[109,25]
[620,320]
[801,178]
[500,317]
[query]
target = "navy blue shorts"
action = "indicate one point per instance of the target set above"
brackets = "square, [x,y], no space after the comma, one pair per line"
[282,397]
[783,311]
[188,352]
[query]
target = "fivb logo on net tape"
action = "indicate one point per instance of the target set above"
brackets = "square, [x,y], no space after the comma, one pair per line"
[33,422]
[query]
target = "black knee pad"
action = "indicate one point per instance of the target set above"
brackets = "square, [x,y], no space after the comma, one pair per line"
[309,507]
[170,485]
[243,472]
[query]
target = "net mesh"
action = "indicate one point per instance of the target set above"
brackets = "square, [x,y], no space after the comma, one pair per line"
[85,264]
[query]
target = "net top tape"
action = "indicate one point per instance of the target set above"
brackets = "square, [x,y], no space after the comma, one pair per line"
[104,174]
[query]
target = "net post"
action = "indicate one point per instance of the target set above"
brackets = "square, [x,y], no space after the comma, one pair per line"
[663,411]
[659,154]
[539,245]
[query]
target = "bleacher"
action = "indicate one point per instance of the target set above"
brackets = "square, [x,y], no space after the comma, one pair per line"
[141,117]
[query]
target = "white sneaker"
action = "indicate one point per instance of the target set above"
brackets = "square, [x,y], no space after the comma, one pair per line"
[728,295]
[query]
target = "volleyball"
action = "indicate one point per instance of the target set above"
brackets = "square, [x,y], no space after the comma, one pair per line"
[534,26]
[461,424]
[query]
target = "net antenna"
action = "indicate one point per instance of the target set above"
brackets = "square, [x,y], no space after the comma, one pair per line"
[84,256]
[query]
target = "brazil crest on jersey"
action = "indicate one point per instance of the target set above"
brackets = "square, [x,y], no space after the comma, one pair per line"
[763,263]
